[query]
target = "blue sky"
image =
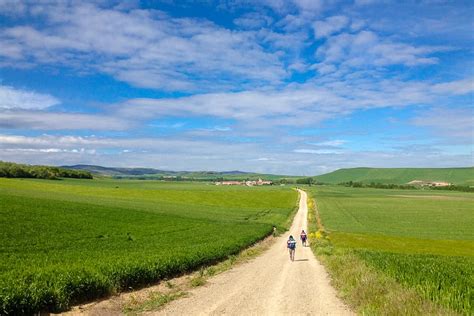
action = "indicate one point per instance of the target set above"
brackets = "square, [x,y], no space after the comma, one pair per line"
[280,86]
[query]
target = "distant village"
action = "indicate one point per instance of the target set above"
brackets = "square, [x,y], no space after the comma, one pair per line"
[422,183]
[249,183]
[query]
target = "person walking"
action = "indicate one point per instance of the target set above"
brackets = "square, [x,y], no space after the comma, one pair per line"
[303,238]
[291,245]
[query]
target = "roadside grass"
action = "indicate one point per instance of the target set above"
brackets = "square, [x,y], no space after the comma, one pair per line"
[154,301]
[390,274]
[68,242]
[369,291]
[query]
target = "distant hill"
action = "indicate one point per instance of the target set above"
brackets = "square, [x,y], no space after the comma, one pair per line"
[150,173]
[110,171]
[461,176]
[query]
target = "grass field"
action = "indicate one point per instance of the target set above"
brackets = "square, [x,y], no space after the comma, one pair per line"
[461,176]
[72,240]
[422,239]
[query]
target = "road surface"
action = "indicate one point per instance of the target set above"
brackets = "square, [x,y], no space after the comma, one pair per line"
[271,284]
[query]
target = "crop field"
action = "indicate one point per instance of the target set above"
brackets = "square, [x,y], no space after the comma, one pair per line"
[63,242]
[422,239]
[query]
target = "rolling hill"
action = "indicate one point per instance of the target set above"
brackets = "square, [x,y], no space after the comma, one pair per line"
[460,176]
[150,173]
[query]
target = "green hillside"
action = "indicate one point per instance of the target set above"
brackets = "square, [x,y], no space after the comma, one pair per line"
[463,176]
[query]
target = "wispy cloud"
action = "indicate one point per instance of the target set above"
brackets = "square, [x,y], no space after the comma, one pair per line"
[11,98]
[331,143]
[454,125]
[41,120]
[144,48]
[253,20]
[298,105]
[317,151]
[366,49]
[329,26]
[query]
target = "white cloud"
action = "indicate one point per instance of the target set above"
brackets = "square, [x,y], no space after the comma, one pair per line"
[51,140]
[51,150]
[264,159]
[317,151]
[293,23]
[11,98]
[221,128]
[254,113]
[144,48]
[309,6]
[331,143]
[329,26]
[296,105]
[366,49]
[455,87]
[40,120]
[455,125]
[253,20]
[10,8]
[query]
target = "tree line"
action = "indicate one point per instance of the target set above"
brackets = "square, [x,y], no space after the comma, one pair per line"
[462,188]
[15,170]
[452,187]
[355,184]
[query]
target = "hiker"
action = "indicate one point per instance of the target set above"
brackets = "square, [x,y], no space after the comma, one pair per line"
[303,238]
[291,245]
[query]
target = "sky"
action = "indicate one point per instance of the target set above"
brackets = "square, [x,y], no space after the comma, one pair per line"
[297,87]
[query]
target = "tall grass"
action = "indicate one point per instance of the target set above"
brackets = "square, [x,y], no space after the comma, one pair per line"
[369,291]
[448,281]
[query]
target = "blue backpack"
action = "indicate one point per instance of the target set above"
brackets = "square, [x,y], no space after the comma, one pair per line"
[291,244]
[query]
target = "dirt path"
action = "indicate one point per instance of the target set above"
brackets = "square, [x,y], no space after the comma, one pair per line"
[268,285]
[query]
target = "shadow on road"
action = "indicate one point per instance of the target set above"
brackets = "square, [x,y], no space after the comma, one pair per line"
[302,260]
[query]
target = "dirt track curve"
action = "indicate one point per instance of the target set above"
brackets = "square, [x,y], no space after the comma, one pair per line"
[269,285]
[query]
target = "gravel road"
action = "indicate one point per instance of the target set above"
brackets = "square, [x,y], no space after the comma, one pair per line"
[270,284]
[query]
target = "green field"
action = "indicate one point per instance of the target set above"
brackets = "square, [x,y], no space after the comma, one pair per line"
[422,239]
[459,176]
[71,240]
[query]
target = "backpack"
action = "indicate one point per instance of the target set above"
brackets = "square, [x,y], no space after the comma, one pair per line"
[291,244]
